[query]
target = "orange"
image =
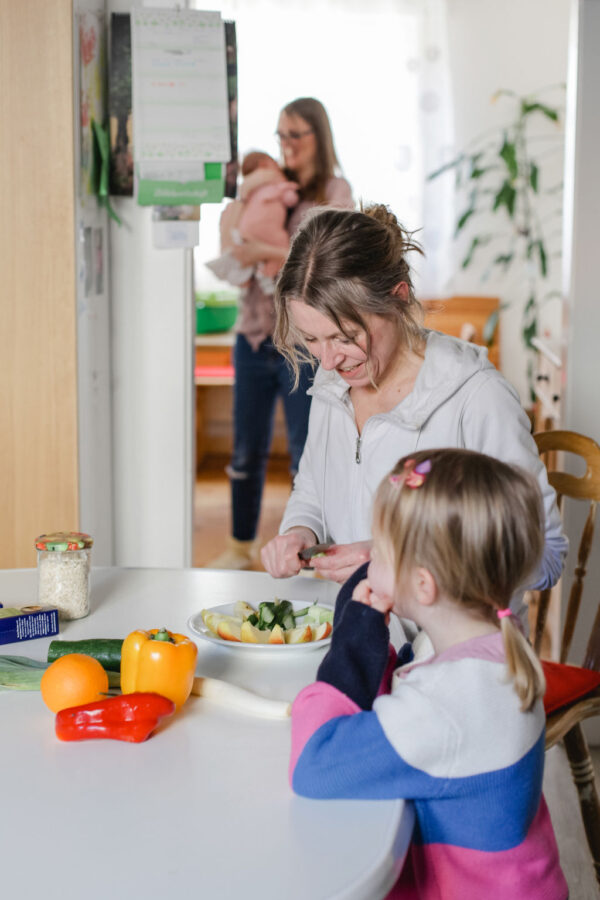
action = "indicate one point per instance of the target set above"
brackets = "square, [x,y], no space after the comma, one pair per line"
[72,680]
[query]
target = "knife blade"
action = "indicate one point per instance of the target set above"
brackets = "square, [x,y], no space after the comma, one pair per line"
[309,552]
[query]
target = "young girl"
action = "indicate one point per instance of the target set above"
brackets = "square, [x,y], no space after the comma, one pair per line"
[462,733]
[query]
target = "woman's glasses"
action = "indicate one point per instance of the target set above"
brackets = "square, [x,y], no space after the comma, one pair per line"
[292,137]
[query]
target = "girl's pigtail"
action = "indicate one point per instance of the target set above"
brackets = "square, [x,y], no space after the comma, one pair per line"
[523,665]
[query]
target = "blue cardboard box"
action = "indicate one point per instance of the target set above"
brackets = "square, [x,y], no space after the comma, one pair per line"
[27,623]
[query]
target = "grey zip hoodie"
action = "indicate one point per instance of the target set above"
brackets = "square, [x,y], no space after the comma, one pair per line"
[459,400]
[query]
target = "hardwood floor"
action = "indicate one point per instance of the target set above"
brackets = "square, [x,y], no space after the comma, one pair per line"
[212,508]
[211,526]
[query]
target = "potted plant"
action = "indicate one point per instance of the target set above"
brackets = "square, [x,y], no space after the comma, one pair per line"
[501,172]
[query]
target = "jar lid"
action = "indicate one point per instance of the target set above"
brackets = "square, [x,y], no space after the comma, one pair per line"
[63,540]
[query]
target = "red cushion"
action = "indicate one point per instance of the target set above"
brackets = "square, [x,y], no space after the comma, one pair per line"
[565,684]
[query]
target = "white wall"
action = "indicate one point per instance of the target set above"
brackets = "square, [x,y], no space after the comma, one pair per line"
[93,341]
[582,324]
[152,347]
[519,45]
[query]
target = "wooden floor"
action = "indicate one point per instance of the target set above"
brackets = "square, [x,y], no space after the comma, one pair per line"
[212,508]
[211,526]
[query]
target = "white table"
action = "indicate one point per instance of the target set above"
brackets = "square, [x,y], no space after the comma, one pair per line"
[203,808]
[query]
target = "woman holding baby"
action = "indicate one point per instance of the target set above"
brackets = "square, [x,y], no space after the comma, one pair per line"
[261,373]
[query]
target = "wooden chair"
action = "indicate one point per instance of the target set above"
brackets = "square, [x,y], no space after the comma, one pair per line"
[565,723]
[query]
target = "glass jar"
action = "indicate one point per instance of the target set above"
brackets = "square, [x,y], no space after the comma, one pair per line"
[64,560]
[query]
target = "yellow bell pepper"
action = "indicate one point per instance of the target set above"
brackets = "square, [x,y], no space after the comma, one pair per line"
[158,661]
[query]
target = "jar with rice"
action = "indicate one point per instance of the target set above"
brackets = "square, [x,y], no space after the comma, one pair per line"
[64,572]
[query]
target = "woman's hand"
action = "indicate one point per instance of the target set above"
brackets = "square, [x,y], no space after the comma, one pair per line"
[280,555]
[341,560]
[362,593]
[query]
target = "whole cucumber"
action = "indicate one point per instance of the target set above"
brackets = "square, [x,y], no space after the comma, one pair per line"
[106,650]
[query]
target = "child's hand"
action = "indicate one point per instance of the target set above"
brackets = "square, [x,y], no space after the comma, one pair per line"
[363,594]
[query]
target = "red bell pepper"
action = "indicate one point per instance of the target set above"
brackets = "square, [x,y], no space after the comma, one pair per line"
[128,717]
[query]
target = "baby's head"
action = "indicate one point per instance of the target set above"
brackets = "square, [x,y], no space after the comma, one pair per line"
[256,159]
[474,522]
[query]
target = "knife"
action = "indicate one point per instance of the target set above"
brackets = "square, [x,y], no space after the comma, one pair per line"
[309,552]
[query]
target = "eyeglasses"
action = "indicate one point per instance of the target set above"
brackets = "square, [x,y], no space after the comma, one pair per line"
[292,136]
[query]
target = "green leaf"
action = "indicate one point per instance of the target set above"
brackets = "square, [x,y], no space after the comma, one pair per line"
[489,328]
[527,108]
[446,167]
[529,332]
[533,176]
[467,260]
[551,295]
[504,259]
[506,196]
[529,305]
[463,220]
[508,152]
[543,258]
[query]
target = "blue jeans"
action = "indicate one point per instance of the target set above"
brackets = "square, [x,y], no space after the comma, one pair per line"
[260,377]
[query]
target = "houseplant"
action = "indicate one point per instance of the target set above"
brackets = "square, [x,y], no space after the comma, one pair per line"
[508,215]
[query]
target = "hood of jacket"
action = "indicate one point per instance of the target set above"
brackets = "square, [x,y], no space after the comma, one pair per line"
[448,364]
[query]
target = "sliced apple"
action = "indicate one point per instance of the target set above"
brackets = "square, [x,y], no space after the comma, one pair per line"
[277,635]
[211,619]
[300,635]
[321,631]
[250,634]
[242,610]
[230,630]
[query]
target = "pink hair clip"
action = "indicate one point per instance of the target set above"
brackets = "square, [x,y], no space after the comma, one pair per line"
[416,476]
[412,476]
[502,613]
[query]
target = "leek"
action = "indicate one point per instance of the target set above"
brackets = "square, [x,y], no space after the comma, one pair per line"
[20,673]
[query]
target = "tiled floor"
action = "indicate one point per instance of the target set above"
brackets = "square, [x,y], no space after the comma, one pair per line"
[211,510]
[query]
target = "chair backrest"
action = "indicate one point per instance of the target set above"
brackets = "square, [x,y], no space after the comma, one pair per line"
[585,487]
[467,317]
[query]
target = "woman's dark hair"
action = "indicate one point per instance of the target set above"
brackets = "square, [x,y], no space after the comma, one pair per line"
[348,265]
[326,162]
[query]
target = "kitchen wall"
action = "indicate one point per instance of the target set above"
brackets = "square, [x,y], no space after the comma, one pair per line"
[581,325]
[92,285]
[522,47]
[153,388]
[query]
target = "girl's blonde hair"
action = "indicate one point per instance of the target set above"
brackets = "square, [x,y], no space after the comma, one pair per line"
[347,265]
[477,525]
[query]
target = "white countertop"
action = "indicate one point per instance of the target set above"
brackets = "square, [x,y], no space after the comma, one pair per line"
[203,808]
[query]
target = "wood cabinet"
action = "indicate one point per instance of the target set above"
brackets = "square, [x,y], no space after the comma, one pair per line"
[39,459]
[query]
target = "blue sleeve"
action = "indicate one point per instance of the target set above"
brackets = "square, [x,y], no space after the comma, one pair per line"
[350,757]
[347,589]
[358,656]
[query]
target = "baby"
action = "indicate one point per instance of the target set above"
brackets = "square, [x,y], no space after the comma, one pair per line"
[259,215]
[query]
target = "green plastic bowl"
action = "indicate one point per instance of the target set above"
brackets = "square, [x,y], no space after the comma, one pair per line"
[216,311]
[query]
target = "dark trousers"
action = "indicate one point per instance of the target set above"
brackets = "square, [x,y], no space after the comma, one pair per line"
[260,377]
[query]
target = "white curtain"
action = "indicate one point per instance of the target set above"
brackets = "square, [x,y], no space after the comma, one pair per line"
[380,67]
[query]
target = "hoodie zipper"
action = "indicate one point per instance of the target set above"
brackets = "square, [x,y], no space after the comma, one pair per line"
[357,453]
